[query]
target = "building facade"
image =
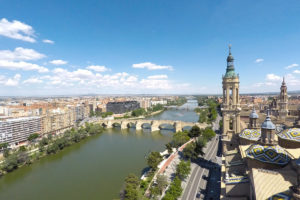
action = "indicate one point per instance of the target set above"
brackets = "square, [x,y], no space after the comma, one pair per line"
[14,131]
[122,107]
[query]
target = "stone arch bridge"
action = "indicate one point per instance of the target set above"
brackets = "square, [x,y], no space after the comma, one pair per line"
[155,124]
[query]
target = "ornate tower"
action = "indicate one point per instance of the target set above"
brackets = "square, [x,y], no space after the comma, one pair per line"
[283,101]
[231,105]
[268,136]
[252,119]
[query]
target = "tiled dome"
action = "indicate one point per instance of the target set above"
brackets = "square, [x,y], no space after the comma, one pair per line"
[268,154]
[251,134]
[290,134]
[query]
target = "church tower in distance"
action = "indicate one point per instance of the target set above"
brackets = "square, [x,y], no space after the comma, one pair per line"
[230,106]
[283,101]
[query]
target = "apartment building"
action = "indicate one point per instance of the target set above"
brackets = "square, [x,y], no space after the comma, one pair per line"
[14,131]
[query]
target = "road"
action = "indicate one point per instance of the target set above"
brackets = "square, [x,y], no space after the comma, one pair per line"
[197,182]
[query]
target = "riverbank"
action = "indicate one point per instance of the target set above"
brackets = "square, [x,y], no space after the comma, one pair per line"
[46,145]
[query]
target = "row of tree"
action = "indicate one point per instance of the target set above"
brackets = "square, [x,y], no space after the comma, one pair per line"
[47,145]
[192,150]
[182,171]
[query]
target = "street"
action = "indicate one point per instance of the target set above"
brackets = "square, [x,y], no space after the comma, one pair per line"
[205,170]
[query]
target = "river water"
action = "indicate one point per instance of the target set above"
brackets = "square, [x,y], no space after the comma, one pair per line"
[93,169]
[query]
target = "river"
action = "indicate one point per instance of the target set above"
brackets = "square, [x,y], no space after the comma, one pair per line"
[94,168]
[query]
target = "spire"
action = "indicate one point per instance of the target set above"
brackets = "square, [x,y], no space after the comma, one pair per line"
[230,67]
[283,81]
[268,124]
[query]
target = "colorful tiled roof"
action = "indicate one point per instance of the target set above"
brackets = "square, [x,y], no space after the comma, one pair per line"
[290,134]
[251,134]
[268,154]
[282,196]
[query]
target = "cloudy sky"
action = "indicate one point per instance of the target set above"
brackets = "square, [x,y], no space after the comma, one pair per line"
[62,47]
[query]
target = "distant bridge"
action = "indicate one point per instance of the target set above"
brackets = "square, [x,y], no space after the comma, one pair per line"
[155,125]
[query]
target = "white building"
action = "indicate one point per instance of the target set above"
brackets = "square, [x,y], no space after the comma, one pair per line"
[14,131]
[162,102]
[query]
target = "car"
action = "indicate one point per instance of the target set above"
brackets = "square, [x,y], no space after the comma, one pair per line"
[198,195]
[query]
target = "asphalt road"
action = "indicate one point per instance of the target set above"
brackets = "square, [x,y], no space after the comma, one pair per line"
[197,184]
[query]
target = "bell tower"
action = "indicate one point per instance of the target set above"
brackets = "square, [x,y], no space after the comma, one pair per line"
[231,105]
[283,101]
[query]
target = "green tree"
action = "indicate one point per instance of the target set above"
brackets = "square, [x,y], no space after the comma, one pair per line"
[208,133]
[200,145]
[32,137]
[49,136]
[92,113]
[180,138]
[44,141]
[133,180]
[22,148]
[183,169]
[3,146]
[131,193]
[169,148]
[138,112]
[194,132]
[131,184]
[6,153]
[174,190]
[154,159]
[161,183]
[189,151]
[10,163]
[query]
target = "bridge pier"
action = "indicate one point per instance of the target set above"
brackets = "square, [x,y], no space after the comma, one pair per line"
[109,124]
[138,125]
[124,125]
[177,126]
[154,126]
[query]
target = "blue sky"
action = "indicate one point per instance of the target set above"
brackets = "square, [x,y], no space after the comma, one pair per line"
[142,46]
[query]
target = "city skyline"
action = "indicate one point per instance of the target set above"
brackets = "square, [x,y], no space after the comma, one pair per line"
[139,47]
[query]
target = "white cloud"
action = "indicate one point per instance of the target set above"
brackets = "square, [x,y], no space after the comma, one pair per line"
[58,62]
[258,60]
[48,41]
[98,68]
[13,81]
[32,80]
[152,66]
[156,84]
[291,66]
[273,77]
[20,53]
[11,65]
[16,30]
[161,76]
[296,71]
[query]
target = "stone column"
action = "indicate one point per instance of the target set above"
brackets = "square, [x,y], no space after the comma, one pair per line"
[238,123]
[234,96]
[227,95]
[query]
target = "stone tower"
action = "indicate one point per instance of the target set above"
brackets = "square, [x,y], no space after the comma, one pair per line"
[231,105]
[283,101]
